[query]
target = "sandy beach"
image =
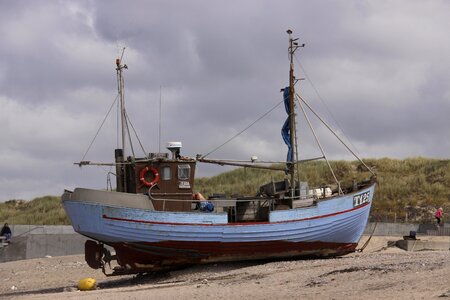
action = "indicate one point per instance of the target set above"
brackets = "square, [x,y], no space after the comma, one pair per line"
[379,272]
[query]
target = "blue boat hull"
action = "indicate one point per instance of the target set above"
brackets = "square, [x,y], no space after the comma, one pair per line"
[147,239]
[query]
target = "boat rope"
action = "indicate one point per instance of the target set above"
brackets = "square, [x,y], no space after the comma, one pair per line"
[101,125]
[320,146]
[240,132]
[334,133]
[28,231]
[368,240]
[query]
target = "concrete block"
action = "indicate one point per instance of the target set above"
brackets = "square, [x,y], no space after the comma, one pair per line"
[419,245]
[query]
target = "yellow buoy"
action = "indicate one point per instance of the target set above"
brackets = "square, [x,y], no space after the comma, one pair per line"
[87,284]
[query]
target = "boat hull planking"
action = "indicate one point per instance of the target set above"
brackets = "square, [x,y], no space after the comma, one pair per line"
[146,240]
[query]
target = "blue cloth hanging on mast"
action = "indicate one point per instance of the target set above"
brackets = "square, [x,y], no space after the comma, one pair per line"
[286,129]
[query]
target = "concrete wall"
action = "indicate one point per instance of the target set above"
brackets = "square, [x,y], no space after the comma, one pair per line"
[41,245]
[401,229]
[34,241]
[391,229]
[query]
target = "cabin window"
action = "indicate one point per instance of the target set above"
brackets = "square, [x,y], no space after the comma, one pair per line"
[184,171]
[166,173]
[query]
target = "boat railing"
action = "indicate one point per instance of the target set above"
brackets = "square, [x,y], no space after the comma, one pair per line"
[232,205]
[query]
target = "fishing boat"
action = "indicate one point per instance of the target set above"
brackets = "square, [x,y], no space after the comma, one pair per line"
[154,220]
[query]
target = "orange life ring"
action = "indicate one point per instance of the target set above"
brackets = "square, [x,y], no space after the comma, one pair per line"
[142,176]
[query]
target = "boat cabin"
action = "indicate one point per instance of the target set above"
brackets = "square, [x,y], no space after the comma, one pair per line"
[167,181]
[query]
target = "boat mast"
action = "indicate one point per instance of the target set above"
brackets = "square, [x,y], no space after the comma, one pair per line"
[120,89]
[293,46]
[120,155]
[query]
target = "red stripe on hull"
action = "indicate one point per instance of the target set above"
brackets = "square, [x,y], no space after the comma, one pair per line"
[143,257]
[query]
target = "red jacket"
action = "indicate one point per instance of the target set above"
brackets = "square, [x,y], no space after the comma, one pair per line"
[438,214]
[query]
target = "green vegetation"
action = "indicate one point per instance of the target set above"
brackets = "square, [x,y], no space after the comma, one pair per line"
[408,190]
[46,210]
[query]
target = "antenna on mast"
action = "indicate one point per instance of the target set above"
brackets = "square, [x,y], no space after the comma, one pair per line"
[160,108]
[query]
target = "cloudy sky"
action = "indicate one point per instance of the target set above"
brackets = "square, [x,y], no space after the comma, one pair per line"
[379,71]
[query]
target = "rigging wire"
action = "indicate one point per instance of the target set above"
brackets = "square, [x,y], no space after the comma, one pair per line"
[101,125]
[127,121]
[319,144]
[135,133]
[240,132]
[128,131]
[334,133]
[325,105]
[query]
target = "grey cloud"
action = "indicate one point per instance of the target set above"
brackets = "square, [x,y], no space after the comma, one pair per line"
[381,68]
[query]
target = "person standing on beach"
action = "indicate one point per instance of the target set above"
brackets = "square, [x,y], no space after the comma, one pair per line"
[438,216]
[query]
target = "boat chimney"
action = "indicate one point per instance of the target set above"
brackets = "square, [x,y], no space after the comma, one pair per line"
[174,147]
[120,170]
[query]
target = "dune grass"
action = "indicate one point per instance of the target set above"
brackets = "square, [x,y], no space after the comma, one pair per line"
[45,210]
